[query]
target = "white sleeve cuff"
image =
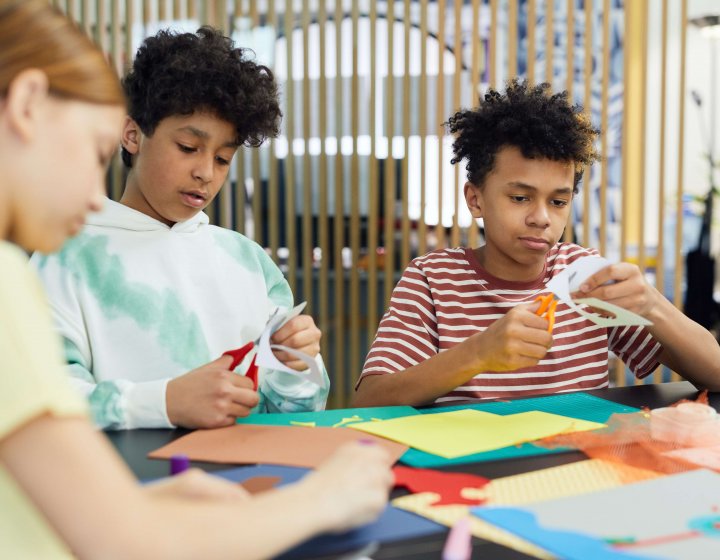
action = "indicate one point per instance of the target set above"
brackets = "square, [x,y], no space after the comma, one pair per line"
[145,405]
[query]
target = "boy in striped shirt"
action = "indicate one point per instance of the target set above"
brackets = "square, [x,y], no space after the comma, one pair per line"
[462,324]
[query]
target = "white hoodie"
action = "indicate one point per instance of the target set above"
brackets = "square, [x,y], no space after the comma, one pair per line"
[139,303]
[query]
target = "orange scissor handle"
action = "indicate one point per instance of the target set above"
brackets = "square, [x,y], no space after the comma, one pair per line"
[548,304]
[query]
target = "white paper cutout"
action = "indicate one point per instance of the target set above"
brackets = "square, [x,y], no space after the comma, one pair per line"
[267,359]
[570,280]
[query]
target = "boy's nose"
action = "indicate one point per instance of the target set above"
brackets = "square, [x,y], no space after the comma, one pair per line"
[539,217]
[203,170]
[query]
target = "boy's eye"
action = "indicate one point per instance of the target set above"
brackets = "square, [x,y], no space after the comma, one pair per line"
[518,198]
[186,149]
[559,203]
[223,161]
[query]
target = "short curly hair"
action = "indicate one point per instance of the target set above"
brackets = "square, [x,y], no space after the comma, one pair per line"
[540,124]
[181,73]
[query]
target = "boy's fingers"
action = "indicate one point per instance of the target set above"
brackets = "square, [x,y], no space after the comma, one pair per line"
[294,325]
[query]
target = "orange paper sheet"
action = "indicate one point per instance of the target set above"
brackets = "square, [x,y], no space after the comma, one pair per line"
[293,446]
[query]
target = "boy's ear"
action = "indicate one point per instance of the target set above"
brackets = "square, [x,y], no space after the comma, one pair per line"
[474,199]
[131,135]
[23,103]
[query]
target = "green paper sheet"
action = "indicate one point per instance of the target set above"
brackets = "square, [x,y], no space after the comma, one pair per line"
[329,418]
[465,432]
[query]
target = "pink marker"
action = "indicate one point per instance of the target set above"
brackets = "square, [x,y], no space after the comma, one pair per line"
[458,545]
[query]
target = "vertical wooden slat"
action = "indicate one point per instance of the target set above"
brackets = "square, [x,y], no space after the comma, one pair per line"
[493,43]
[257,200]
[549,40]
[474,83]
[455,236]
[588,44]
[323,232]
[339,220]
[86,17]
[531,20]
[569,82]
[439,119]
[373,185]
[422,124]
[405,238]
[389,162]
[660,256]
[512,35]
[239,198]
[307,183]
[116,186]
[290,215]
[162,10]
[354,206]
[225,198]
[191,9]
[129,22]
[273,218]
[101,30]
[677,296]
[177,9]
[604,125]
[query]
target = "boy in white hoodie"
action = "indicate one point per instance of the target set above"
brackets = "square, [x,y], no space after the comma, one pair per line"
[149,296]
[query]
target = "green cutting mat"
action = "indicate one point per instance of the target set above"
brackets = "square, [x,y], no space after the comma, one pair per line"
[329,418]
[576,405]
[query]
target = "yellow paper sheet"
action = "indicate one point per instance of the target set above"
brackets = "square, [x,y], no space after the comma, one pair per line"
[464,432]
[546,484]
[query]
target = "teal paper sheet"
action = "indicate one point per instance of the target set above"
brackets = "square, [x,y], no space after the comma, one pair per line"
[329,418]
[576,405]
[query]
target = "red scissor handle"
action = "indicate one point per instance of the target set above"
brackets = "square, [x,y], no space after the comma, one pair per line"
[238,356]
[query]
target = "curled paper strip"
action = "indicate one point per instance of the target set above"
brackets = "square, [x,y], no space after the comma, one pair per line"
[569,281]
[688,424]
[267,359]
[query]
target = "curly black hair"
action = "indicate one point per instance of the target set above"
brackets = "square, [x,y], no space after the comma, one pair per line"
[530,118]
[181,73]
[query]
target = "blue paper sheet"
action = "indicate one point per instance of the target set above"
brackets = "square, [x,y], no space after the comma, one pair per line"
[576,405]
[394,524]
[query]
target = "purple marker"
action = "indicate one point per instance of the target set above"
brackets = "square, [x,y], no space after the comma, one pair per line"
[458,545]
[178,464]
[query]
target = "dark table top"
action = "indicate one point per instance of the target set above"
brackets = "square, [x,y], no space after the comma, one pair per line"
[134,445]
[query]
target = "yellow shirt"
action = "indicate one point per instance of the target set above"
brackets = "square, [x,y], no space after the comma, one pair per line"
[32,382]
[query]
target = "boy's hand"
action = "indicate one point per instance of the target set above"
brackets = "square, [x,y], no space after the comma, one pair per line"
[352,487]
[621,284]
[519,340]
[299,333]
[210,396]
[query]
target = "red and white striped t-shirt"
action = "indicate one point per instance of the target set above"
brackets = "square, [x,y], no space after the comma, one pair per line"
[445,297]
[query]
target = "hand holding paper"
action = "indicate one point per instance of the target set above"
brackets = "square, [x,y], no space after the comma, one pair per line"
[616,289]
[266,356]
[301,334]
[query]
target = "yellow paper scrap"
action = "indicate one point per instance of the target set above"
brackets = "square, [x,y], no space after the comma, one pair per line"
[464,432]
[298,423]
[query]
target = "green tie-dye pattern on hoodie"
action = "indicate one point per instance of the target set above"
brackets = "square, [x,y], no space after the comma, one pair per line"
[245,253]
[160,312]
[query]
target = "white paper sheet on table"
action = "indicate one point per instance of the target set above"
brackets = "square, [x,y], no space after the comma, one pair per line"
[267,359]
[570,280]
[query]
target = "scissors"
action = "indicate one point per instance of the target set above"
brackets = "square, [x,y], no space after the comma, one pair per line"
[548,304]
[239,354]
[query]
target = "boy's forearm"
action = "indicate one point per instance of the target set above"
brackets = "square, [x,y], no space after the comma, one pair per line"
[688,348]
[420,384]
